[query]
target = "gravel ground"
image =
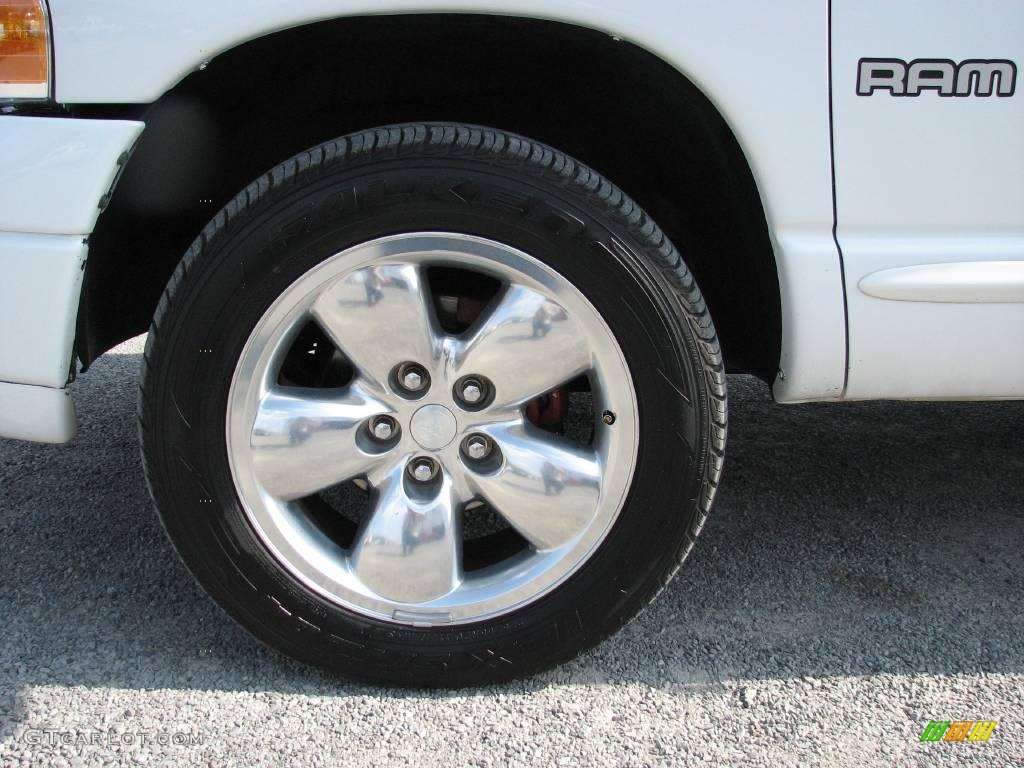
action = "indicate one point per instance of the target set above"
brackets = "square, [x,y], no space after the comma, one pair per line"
[861,575]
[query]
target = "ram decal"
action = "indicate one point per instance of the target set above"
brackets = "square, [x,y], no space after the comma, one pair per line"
[977,77]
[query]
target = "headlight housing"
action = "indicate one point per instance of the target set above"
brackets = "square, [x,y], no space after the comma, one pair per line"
[25,61]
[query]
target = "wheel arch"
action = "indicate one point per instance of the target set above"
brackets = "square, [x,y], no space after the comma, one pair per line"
[623,110]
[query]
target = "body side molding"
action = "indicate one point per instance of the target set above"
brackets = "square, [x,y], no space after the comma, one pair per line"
[958,282]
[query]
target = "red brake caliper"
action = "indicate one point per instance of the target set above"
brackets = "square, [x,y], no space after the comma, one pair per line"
[549,409]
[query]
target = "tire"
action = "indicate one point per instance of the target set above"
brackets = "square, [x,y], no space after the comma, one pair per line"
[482,189]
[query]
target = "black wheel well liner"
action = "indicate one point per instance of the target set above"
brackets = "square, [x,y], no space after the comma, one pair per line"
[611,104]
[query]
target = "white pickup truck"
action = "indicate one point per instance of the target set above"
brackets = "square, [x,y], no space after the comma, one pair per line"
[430,393]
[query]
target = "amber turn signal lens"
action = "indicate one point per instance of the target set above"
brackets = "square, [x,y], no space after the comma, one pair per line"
[24,50]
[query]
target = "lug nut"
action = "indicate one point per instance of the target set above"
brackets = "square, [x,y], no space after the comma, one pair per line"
[412,378]
[477,447]
[472,392]
[422,469]
[383,427]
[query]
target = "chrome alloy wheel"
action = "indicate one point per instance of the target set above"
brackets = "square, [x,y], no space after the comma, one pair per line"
[433,423]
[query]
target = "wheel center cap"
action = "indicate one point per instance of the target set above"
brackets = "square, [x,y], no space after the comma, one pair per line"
[433,427]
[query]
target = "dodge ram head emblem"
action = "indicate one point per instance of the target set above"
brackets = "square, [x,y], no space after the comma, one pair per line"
[978,77]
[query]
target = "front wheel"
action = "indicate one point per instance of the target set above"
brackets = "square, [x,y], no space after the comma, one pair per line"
[433,405]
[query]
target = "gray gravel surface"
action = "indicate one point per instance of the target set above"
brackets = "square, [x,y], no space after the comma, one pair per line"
[861,575]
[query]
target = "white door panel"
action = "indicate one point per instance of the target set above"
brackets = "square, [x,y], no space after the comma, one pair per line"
[949,347]
[935,182]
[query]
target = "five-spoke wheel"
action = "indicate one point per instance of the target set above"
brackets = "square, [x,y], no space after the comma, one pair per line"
[434,424]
